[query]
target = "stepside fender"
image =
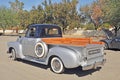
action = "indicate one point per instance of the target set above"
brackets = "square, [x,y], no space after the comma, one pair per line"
[68,56]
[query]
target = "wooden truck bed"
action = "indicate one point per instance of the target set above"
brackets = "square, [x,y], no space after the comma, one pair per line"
[70,41]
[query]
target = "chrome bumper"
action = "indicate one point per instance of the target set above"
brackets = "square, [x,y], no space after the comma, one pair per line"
[94,66]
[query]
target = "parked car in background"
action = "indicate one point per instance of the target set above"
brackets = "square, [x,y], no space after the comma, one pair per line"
[111,41]
[44,44]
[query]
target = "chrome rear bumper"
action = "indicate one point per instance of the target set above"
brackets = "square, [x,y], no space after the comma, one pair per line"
[94,66]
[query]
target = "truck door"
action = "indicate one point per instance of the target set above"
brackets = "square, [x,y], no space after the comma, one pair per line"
[28,42]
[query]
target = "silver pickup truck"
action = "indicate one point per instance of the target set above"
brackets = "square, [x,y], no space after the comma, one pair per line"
[44,44]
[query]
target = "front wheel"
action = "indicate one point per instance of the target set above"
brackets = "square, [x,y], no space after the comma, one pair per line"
[13,54]
[57,65]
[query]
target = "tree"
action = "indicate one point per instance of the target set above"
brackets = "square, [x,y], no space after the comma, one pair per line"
[23,18]
[63,13]
[20,14]
[6,18]
[97,14]
[93,13]
[112,13]
[16,6]
[103,11]
[37,15]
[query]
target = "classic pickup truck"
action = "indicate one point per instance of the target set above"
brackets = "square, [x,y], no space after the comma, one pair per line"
[44,44]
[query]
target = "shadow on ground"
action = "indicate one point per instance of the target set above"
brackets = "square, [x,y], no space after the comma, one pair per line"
[78,71]
[117,50]
[33,64]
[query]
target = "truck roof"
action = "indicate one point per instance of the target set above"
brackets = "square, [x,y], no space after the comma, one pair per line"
[44,25]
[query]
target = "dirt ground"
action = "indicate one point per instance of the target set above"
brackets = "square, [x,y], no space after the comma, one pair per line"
[24,70]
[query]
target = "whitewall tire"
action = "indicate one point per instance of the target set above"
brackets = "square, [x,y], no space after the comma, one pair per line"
[13,54]
[57,65]
[41,50]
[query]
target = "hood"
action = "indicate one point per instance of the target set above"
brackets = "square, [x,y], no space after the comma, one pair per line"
[109,34]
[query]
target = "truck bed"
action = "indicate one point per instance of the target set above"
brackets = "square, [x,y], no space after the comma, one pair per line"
[71,41]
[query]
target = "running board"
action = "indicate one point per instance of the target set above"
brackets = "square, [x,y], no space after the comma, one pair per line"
[35,60]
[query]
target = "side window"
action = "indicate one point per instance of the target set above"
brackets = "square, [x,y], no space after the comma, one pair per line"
[31,32]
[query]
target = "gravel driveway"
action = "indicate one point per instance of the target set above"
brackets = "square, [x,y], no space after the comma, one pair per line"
[24,70]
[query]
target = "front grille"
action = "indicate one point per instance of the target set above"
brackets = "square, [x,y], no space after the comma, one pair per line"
[92,52]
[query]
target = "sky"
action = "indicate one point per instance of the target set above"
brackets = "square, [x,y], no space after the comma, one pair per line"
[29,3]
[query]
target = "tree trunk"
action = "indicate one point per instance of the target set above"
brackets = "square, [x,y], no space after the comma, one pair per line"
[3,31]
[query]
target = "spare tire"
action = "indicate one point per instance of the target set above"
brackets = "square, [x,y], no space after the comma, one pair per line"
[41,49]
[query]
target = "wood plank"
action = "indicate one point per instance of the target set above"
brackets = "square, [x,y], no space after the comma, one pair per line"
[70,41]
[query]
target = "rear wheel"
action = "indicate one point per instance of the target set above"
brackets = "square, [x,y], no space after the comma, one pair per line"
[57,65]
[13,54]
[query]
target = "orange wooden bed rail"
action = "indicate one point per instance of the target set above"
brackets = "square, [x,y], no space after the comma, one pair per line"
[70,41]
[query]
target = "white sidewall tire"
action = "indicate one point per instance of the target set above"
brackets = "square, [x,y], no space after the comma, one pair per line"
[44,50]
[13,54]
[61,65]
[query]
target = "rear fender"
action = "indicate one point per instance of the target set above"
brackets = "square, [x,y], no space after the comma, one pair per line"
[68,56]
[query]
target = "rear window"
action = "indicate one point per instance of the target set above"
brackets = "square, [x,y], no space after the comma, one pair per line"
[51,31]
